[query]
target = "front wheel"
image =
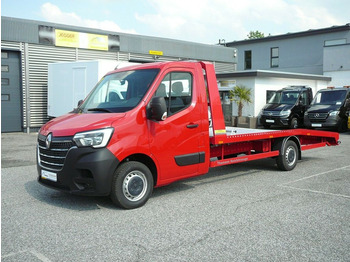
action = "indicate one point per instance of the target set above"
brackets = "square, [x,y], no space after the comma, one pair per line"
[343,126]
[288,156]
[132,185]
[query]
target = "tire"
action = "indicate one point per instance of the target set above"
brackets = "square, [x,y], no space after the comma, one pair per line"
[294,123]
[132,185]
[343,126]
[288,157]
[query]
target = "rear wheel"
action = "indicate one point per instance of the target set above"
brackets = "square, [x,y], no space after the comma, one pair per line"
[288,157]
[132,185]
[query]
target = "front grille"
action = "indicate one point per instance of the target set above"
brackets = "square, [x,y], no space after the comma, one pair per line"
[53,157]
[318,117]
[271,113]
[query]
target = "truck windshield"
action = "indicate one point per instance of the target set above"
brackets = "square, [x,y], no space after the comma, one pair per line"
[119,92]
[334,97]
[284,97]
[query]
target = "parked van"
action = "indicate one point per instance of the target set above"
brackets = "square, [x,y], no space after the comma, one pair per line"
[286,107]
[330,108]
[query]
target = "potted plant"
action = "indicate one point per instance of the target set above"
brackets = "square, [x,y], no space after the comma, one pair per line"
[240,94]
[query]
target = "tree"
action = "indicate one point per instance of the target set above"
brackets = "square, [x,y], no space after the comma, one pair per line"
[240,95]
[255,34]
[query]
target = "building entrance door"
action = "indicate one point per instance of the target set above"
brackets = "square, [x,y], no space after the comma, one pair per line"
[11,110]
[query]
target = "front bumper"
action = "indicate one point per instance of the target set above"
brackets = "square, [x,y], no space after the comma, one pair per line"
[86,171]
[329,122]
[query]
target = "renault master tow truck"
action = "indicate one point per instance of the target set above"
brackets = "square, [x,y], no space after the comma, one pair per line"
[147,126]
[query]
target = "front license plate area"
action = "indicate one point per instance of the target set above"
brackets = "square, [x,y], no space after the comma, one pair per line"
[270,121]
[49,175]
[316,125]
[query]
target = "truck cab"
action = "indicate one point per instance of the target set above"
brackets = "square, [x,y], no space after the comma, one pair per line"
[286,107]
[329,109]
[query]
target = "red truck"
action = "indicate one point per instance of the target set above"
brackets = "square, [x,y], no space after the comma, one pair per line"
[147,126]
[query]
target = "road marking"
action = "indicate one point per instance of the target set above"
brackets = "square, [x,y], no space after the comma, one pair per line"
[319,174]
[40,256]
[315,191]
[286,185]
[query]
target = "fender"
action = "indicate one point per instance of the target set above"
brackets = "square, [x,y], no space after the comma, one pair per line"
[281,143]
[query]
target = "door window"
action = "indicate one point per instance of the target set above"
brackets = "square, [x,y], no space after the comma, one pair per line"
[176,88]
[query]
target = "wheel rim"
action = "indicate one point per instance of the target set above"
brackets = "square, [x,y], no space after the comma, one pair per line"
[290,156]
[134,186]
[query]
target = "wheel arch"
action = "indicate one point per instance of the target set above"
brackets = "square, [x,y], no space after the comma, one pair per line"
[146,160]
[280,143]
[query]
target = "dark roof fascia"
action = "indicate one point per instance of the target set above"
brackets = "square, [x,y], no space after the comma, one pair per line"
[99,31]
[262,73]
[310,32]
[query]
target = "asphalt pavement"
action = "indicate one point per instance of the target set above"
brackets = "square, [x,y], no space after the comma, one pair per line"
[244,212]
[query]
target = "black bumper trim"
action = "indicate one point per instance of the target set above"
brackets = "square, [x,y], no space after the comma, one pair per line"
[86,171]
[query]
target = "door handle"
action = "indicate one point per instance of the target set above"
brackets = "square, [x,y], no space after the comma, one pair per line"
[192,126]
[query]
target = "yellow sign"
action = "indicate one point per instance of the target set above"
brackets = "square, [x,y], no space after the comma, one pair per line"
[99,42]
[81,40]
[220,131]
[154,52]
[67,38]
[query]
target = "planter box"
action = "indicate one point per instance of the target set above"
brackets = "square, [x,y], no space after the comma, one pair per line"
[247,122]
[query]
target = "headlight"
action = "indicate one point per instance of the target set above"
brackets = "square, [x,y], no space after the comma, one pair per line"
[285,113]
[97,138]
[333,113]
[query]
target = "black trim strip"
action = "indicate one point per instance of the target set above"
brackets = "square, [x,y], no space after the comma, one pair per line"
[190,159]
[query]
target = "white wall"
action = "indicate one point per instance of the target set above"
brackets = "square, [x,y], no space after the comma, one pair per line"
[260,85]
[339,78]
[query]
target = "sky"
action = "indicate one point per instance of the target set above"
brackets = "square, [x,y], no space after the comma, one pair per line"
[201,21]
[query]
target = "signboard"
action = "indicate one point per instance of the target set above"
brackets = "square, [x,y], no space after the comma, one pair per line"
[58,37]
[67,38]
[154,52]
[81,40]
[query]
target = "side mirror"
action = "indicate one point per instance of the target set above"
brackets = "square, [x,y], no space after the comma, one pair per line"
[347,102]
[80,102]
[157,109]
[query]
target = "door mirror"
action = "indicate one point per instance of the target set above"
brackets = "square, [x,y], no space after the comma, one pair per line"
[158,109]
[80,102]
[347,103]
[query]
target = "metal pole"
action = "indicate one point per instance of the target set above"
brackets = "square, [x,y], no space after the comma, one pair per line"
[27,87]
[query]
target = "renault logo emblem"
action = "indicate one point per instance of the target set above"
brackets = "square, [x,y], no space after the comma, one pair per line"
[48,141]
[270,114]
[317,115]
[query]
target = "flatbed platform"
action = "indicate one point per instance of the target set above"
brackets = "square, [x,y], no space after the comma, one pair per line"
[231,131]
[237,134]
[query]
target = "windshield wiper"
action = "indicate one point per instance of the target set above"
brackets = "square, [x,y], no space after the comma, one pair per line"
[100,109]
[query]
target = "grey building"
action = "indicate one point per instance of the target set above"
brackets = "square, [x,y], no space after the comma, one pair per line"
[27,47]
[316,58]
[320,52]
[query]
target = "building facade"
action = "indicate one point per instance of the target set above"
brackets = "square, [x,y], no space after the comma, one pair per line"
[310,52]
[27,47]
[316,58]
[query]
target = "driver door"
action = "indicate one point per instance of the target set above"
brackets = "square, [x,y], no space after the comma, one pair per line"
[175,142]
